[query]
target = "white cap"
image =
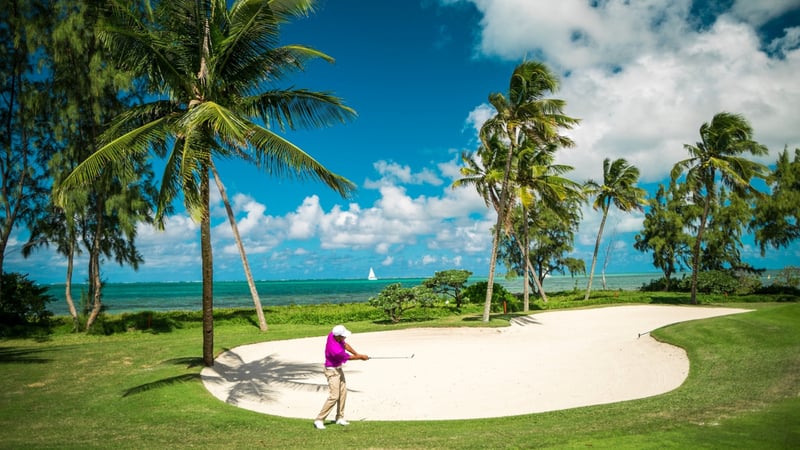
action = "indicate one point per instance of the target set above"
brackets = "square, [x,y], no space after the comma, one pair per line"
[340,330]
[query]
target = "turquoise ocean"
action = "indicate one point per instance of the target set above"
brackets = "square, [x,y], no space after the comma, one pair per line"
[185,296]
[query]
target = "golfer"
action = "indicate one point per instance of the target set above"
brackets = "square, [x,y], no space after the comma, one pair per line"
[336,354]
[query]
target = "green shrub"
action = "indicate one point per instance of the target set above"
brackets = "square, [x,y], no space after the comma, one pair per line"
[476,293]
[394,299]
[660,285]
[726,282]
[23,303]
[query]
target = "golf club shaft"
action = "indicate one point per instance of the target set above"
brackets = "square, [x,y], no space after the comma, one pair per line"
[391,357]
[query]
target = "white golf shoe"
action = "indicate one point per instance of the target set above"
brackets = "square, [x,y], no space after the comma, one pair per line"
[318,424]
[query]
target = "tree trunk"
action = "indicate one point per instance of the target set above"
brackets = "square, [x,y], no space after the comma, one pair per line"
[76,325]
[262,323]
[596,249]
[606,259]
[538,282]
[697,248]
[525,253]
[94,281]
[487,306]
[208,273]
[529,268]
[94,268]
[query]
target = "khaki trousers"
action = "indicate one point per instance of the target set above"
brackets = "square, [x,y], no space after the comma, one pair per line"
[337,395]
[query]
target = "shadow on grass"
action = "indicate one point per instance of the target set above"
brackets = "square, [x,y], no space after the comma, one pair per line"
[189,361]
[23,356]
[161,383]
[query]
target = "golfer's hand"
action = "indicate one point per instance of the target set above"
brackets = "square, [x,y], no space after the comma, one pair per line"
[363,357]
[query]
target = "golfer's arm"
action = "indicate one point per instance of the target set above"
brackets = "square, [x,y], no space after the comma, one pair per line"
[356,355]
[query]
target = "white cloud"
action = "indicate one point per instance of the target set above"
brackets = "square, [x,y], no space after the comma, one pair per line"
[394,173]
[479,115]
[786,43]
[759,12]
[303,222]
[573,34]
[429,259]
[667,78]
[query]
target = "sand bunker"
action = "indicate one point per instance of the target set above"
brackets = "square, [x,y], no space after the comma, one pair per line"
[542,362]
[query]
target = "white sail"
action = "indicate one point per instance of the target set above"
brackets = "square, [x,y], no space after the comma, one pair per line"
[372,274]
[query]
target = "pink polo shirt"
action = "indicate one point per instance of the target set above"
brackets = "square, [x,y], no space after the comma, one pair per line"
[335,353]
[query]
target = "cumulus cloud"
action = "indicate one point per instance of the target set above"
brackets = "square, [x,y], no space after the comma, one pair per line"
[642,76]
[643,80]
[760,12]
[393,173]
[574,34]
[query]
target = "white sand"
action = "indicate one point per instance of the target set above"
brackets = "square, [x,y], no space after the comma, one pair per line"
[542,362]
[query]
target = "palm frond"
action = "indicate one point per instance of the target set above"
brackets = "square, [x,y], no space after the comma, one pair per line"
[298,108]
[279,157]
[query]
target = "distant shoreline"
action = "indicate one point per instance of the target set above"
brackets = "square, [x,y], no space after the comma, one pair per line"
[186,295]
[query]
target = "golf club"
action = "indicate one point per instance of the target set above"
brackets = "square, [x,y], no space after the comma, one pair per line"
[392,357]
[642,334]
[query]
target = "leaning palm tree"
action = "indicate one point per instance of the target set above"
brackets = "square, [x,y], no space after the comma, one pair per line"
[248,274]
[523,111]
[717,156]
[215,71]
[618,189]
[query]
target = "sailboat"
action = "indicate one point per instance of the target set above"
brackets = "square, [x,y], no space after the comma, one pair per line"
[371,275]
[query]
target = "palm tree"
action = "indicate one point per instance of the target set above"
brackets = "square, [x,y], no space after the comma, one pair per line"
[539,179]
[483,171]
[248,274]
[523,111]
[618,188]
[717,156]
[219,69]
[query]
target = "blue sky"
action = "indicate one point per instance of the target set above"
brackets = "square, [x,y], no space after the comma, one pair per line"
[642,76]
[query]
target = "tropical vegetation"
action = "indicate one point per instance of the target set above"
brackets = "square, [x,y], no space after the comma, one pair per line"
[525,121]
[97,94]
[208,78]
[618,189]
[716,159]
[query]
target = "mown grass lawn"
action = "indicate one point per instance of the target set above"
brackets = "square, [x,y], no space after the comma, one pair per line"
[141,389]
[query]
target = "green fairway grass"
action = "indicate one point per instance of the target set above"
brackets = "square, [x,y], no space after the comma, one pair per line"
[140,388]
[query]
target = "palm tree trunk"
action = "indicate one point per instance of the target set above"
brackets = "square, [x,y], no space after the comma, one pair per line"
[487,306]
[538,282]
[697,249]
[208,273]
[525,253]
[596,250]
[262,323]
